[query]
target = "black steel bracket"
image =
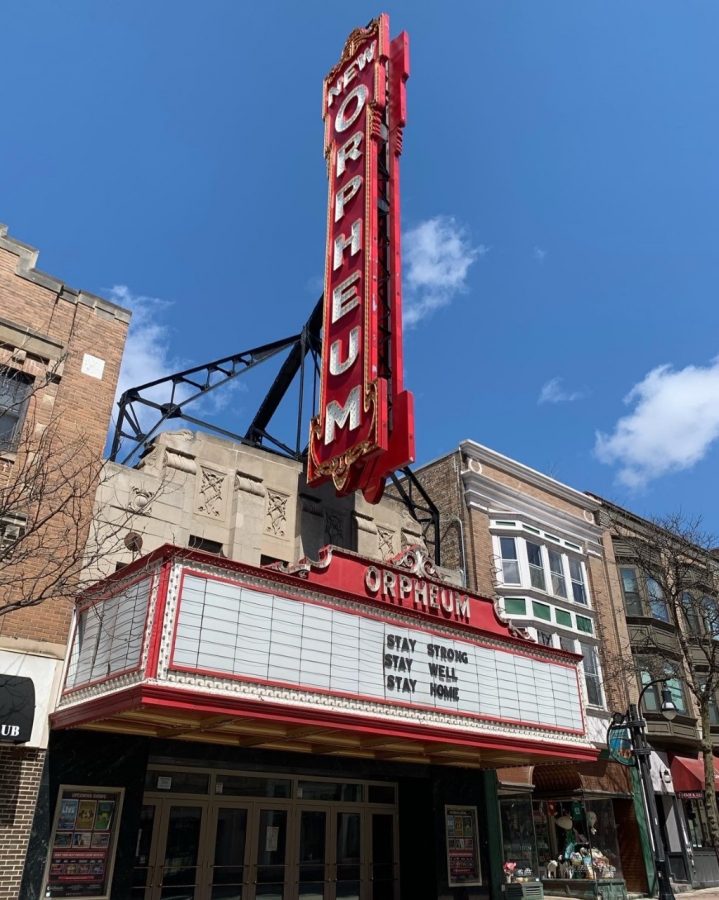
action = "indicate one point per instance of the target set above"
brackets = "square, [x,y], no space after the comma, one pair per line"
[423,509]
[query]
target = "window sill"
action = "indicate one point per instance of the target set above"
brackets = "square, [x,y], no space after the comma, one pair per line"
[669,627]
[8,456]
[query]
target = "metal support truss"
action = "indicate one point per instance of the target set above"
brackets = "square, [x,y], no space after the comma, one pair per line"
[169,397]
[422,509]
[183,388]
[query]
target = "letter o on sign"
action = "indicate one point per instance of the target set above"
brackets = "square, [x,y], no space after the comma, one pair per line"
[372,579]
[343,121]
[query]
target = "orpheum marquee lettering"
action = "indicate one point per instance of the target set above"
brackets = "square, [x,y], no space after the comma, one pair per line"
[418,593]
[364,429]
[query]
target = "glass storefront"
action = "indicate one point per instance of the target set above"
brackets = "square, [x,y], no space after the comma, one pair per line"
[550,840]
[518,839]
[577,839]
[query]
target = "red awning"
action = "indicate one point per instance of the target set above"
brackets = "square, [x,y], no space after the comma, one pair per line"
[688,775]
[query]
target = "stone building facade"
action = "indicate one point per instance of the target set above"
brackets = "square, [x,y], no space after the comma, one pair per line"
[243,503]
[60,352]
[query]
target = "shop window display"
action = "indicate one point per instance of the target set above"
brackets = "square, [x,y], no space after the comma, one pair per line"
[518,841]
[576,839]
[697,824]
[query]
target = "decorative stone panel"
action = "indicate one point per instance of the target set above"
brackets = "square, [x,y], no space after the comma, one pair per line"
[334,528]
[276,518]
[386,542]
[210,499]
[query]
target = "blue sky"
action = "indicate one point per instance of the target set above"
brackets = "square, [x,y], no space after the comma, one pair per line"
[560,201]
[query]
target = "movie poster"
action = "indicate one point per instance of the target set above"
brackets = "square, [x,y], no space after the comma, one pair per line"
[462,846]
[82,849]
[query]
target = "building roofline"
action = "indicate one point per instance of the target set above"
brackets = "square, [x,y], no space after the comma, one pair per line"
[492,457]
[27,259]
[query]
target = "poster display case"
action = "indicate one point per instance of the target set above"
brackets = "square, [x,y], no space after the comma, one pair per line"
[83,841]
[463,868]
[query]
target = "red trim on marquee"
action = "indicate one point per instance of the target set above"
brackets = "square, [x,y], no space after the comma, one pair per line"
[153,653]
[159,697]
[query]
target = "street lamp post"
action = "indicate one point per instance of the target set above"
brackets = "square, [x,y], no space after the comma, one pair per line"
[633,721]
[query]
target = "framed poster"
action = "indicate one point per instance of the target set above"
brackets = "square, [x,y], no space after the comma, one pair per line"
[83,842]
[462,846]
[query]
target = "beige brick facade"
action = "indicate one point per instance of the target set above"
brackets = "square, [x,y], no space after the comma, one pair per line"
[197,490]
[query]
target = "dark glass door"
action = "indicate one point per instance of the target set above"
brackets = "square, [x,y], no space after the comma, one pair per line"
[178,876]
[312,854]
[271,871]
[228,874]
[348,855]
[142,870]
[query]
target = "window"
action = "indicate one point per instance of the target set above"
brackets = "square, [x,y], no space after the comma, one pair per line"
[591,675]
[545,638]
[199,543]
[699,833]
[576,573]
[710,615]
[15,389]
[690,606]
[563,618]
[536,569]
[567,644]
[12,529]
[510,563]
[643,596]
[516,606]
[559,585]
[585,624]
[630,587]
[653,697]
[713,711]
[657,604]
[542,611]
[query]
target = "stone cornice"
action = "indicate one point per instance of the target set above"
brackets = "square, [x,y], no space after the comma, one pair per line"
[25,268]
[518,470]
[492,496]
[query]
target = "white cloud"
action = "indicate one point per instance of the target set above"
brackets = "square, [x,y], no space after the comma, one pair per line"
[147,352]
[553,392]
[438,254]
[673,425]
[148,357]
[539,254]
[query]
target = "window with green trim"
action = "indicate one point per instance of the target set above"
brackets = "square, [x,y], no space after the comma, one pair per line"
[563,618]
[585,624]
[542,611]
[515,606]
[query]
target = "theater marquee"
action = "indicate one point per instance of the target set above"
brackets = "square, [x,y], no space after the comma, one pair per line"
[349,650]
[364,429]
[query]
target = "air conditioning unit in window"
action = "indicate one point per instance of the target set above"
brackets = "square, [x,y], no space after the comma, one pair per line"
[12,528]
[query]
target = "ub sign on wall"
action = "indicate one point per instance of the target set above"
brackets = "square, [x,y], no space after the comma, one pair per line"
[364,429]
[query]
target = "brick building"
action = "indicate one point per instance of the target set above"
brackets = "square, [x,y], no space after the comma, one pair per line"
[60,352]
[666,617]
[541,549]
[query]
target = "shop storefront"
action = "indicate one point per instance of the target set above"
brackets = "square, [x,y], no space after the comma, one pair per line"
[685,823]
[570,828]
[322,731]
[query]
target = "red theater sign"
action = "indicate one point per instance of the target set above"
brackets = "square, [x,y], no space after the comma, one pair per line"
[365,428]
